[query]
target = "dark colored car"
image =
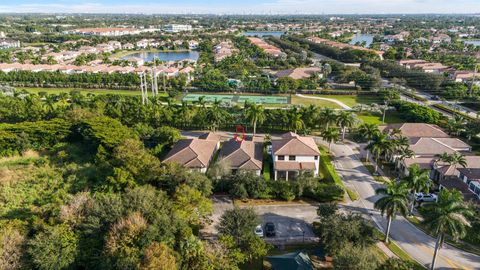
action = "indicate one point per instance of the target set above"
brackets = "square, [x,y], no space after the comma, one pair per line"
[270,229]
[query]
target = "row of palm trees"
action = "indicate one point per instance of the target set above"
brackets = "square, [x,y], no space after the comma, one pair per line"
[386,145]
[326,119]
[448,216]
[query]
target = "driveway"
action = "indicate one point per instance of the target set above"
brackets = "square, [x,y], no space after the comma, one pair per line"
[292,221]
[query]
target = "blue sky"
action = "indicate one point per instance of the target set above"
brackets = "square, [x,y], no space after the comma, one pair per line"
[243,6]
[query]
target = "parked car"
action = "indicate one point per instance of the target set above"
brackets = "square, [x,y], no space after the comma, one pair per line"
[259,231]
[270,229]
[425,197]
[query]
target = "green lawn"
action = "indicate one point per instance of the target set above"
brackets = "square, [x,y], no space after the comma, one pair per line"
[317,102]
[390,118]
[352,100]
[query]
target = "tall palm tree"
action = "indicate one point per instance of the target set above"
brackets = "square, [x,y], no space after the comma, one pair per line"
[447,216]
[418,180]
[255,114]
[394,201]
[379,145]
[295,119]
[368,131]
[454,159]
[330,135]
[327,116]
[402,154]
[346,119]
[455,125]
[216,115]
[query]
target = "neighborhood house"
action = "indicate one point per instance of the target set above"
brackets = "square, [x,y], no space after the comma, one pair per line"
[292,154]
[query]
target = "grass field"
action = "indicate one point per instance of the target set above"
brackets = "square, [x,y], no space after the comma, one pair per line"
[317,102]
[352,100]
[390,118]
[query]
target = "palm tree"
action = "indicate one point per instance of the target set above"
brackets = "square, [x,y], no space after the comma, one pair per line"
[455,125]
[216,115]
[296,121]
[395,201]
[255,114]
[345,119]
[330,135]
[454,159]
[379,145]
[368,131]
[327,116]
[447,216]
[418,180]
[402,154]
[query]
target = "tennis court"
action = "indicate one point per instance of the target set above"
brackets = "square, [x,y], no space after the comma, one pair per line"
[238,98]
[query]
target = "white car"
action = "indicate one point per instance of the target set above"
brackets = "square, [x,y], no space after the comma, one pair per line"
[424,197]
[259,231]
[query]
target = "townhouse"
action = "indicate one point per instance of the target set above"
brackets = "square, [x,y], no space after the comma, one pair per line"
[244,155]
[195,154]
[292,154]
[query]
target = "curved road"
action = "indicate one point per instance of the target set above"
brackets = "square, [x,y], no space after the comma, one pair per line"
[416,243]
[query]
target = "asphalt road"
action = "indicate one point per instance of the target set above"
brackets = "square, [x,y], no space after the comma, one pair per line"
[416,243]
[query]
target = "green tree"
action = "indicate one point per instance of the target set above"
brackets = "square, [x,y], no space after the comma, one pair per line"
[327,116]
[158,256]
[255,114]
[355,258]
[54,248]
[418,180]
[394,201]
[454,160]
[447,216]
[380,144]
[330,135]
[240,223]
[345,119]
[295,119]
[396,264]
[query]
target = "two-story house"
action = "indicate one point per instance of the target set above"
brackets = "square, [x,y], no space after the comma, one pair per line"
[292,154]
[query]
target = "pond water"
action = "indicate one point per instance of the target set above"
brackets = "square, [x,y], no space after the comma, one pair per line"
[475,42]
[368,38]
[263,33]
[165,56]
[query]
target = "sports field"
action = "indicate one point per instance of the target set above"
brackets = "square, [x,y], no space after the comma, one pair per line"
[238,98]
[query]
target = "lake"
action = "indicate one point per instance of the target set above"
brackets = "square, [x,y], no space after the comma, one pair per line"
[368,38]
[263,33]
[475,42]
[165,56]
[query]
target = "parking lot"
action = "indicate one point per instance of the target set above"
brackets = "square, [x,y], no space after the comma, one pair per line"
[292,221]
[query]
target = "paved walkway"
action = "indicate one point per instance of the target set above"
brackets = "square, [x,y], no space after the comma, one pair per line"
[339,103]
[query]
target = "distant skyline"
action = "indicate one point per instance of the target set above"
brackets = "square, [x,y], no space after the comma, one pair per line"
[242,7]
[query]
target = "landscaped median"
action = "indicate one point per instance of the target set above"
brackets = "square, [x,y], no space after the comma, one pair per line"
[329,172]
